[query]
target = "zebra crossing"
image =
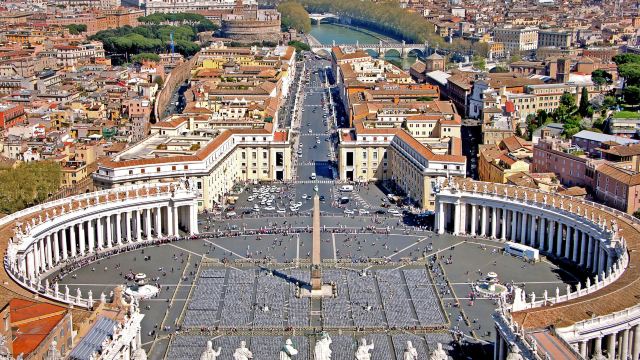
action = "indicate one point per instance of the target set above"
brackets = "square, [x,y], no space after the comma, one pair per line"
[360,201]
[313,181]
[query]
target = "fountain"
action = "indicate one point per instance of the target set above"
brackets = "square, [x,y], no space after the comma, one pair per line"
[490,285]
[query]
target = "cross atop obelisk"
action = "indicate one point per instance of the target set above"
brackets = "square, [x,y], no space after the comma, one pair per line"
[316,273]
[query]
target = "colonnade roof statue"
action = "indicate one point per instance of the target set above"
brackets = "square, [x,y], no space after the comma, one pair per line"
[438,353]
[288,352]
[242,353]
[209,353]
[322,350]
[362,353]
[410,352]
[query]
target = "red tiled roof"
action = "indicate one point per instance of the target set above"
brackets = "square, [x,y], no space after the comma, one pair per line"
[32,322]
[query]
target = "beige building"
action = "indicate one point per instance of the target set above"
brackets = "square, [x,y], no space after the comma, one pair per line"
[554,38]
[517,39]
[213,161]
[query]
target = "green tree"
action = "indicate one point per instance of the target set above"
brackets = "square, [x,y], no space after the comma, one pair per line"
[631,95]
[630,72]
[159,81]
[299,45]
[479,62]
[294,16]
[75,29]
[626,59]
[609,101]
[601,77]
[499,69]
[28,184]
[585,108]
[139,58]
[636,214]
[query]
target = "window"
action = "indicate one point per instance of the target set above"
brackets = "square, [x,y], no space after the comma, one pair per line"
[157,169]
[130,172]
[186,167]
[173,168]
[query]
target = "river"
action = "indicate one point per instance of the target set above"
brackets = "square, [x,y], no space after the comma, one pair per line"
[327,33]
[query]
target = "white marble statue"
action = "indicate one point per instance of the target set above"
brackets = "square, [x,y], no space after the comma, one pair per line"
[52,353]
[362,353]
[288,351]
[514,354]
[438,353]
[242,353]
[410,353]
[322,351]
[210,354]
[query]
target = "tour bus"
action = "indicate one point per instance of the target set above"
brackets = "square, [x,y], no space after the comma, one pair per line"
[346,188]
[526,252]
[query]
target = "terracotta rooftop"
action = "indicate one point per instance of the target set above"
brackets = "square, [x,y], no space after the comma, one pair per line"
[32,322]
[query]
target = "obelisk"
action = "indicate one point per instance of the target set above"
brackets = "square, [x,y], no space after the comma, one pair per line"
[316,274]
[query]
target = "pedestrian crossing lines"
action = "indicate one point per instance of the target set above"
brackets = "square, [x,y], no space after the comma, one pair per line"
[360,201]
[313,182]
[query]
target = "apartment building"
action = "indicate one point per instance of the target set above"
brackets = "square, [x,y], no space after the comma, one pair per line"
[517,39]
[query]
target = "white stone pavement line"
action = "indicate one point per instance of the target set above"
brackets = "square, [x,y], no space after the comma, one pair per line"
[335,253]
[153,342]
[407,247]
[445,249]
[297,250]
[203,255]
[175,292]
[225,249]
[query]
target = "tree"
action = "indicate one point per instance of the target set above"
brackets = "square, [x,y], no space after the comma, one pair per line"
[299,45]
[75,29]
[609,102]
[159,81]
[601,77]
[631,95]
[631,73]
[585,108]
[139,58]
[28,184]
[626,59]
[499,69]
[424,98]
[479,62]
[636,214]
[294,16]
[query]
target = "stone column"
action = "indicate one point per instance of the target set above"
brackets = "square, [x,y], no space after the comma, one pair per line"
[611,346]
[514,223]
[532,234]
[118,229]
[551,237]
[171,233]
[542,231]
[49,250]
[483,225]
[601,259]
[494,222]
[31,265]
[597,345]
[503,224]
[65,252]
[474,219]
[609,265]
[635,350]
[109,231]
[582,348]
[583,248]
[56,247]
[456,218]
[461,230]
[90,236]
[567,242]
[72,242]
[158,222]
[176,223]
[193,228]
[147,223]
[523,228]
[36,257]
[100,231]
[590,242]
[625,344]
[138,225]
[128,225]
[81,237]
[496,345]
[559,240]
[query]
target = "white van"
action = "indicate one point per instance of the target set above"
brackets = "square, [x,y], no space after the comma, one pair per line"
[346,188]
[313,176]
